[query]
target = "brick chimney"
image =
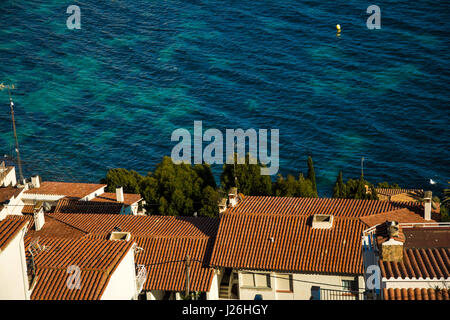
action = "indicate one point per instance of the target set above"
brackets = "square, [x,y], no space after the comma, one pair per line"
[119,194]
[427,204]
[392,250]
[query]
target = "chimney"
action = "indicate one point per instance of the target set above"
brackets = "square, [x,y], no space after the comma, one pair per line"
[427,204]
[222,205]
[392,250]
[119,194]
[233,197]
[38,214]
[36,181]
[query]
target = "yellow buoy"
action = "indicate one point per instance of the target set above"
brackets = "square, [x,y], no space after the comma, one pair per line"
[338,28]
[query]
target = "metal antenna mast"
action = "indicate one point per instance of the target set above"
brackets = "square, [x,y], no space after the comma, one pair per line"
[11,103]
[362,166]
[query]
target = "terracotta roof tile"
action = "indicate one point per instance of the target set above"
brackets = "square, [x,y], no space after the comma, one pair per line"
[400,215]
[415,294]
[244,240]
[164,239]
[67,205]
[129,198]
[6,193]
[97,260]
[391,192]
[311,206]
[68,189]
[54,228]
[419,263]
[9,228]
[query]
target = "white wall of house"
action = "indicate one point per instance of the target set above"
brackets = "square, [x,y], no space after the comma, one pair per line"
[14,206]
[94,194]
[122,284]
[155,294]
[213,293]
[299,288]
[9,179]
[13,270]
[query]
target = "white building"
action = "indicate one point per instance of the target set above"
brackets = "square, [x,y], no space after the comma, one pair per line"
[14,281]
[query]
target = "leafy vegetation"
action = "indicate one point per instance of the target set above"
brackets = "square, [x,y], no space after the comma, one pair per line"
[172,189]
[386,185]
[246,177]
[354,189]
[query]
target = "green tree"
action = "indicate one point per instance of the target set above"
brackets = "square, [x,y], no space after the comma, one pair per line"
[312,175]
[339,190]
[128,179]
[386,185]
[249,181]
[288,187]
[173,189]
[356,189]
[306,188]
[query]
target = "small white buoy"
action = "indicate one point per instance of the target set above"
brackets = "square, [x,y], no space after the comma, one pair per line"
[432,181]
[338,28]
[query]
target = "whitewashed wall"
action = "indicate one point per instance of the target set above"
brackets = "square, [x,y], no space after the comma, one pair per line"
[122,284]
[13,270]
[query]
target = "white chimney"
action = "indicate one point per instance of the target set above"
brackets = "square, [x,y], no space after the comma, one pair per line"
[427,204]
[39,218]
[222,205]
[119,194]
[36,181]
[233,197]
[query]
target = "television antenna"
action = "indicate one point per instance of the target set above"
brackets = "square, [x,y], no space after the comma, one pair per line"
[11,103]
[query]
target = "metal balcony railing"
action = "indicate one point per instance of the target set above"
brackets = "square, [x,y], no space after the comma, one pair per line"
[331,294]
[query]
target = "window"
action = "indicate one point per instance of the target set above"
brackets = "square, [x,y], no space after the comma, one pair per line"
[349,285]
[255,280]
[284,282]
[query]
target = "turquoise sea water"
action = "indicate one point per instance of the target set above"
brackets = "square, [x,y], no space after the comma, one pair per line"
[110,94]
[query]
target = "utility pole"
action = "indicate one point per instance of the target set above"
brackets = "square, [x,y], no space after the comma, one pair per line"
[11,103]
[188,262]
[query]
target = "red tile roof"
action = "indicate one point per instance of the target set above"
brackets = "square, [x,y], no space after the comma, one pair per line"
[97,260]
[164,239]
[170,226]
[9,228]
[400,215]
[275,233]
[244,240]
[311,206]
[391,192]
[6,193]
[419,263]
[172,276]
[67,205]
[68,189]
[56,229]
[129,198]
[416,294]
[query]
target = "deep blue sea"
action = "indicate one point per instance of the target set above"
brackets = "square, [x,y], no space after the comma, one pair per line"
[110,94]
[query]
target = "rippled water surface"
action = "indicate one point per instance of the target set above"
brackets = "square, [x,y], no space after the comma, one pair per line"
[110,94]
